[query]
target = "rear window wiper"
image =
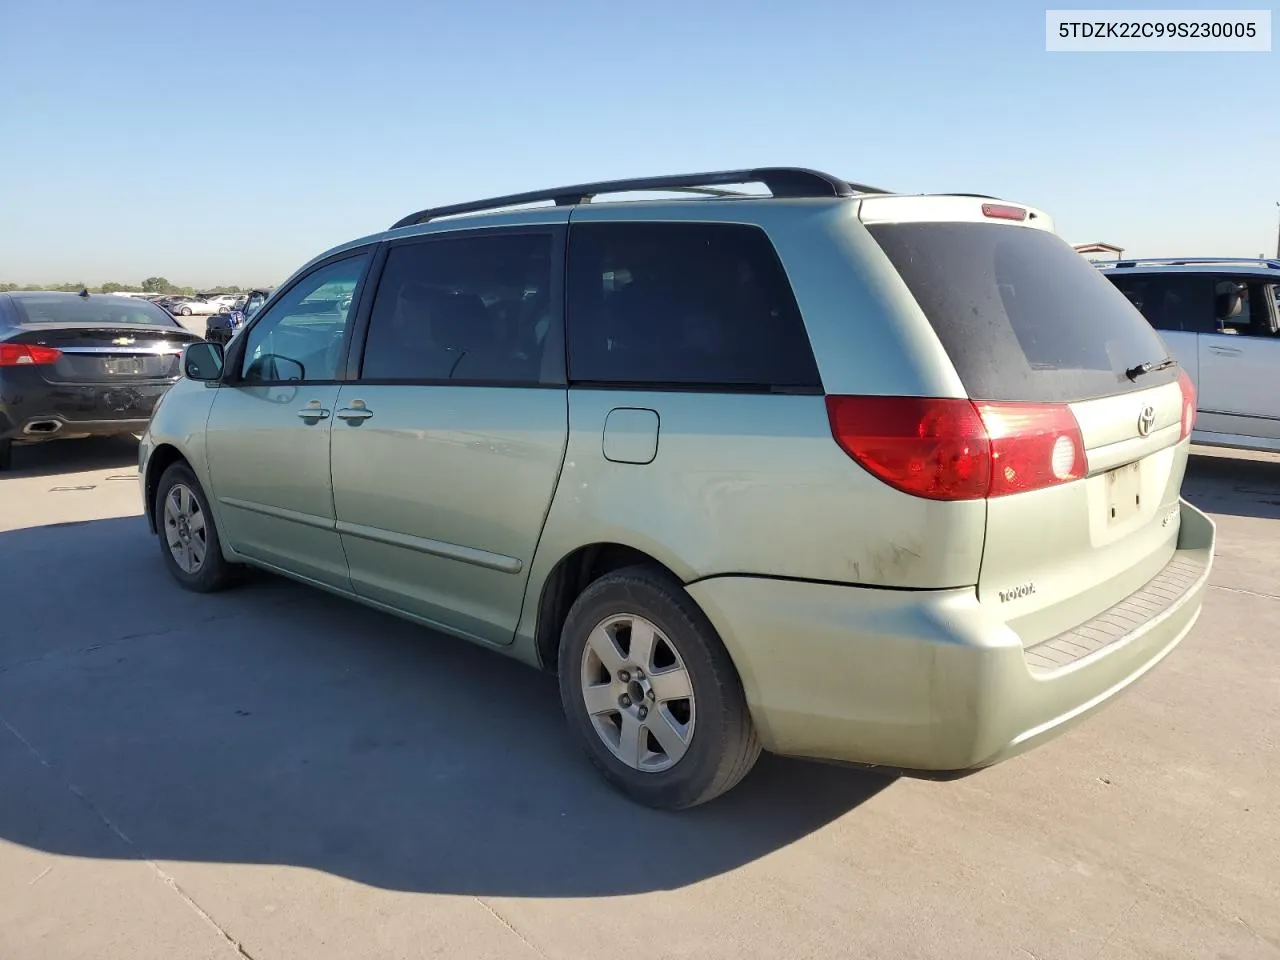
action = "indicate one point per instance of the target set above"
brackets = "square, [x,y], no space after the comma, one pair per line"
[1133,373]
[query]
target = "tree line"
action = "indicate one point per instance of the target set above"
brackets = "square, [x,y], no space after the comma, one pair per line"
[149,285]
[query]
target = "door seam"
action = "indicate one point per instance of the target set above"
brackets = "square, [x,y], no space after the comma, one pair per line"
[333,495]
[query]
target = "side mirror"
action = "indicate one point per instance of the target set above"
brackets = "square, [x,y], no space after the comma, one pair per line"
[202,361]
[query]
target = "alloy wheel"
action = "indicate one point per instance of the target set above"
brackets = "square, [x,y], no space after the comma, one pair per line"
[638,693]
[184,529]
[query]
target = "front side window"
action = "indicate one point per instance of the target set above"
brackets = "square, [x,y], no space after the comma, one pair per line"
[1245,307]
[698,305]
[301,337]
[471,309]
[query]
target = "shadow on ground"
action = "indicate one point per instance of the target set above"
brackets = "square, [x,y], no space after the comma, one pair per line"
[73,456]
[1219,482]
[276,724]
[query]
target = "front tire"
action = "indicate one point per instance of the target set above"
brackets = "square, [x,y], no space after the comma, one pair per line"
[186,311]
[651,693]
[6,454]
[188,536]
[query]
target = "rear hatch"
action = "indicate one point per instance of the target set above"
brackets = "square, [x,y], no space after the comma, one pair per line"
[98,353]
[1032,326]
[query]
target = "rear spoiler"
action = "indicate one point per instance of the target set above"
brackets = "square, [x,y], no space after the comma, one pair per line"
[950,208]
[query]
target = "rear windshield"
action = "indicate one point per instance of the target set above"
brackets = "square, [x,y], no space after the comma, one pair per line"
[1021,314]
[95,309]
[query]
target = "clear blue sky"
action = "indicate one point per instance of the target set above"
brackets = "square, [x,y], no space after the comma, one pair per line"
[117,119]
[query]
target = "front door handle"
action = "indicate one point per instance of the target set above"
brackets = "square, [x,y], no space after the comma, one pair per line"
[1226,351]
[313,411]
[355,413]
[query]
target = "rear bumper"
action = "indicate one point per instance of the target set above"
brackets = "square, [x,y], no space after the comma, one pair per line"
[927,681]
[35,410]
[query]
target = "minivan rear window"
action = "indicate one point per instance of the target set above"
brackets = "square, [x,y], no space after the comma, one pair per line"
[1022,315]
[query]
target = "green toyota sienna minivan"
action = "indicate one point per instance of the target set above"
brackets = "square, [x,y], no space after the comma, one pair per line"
[816,468]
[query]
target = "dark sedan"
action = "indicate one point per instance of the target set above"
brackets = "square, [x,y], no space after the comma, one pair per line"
[82,365]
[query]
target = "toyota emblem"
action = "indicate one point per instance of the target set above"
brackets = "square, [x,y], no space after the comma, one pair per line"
[1146,420]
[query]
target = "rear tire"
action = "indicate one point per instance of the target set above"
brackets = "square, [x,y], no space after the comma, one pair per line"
[6,454]
[188,535]
[186,311]
[668,723]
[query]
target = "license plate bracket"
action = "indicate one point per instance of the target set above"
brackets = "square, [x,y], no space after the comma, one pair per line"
[123,366]
[1124,493]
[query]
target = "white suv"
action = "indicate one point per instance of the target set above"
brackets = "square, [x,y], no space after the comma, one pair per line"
[1221,320]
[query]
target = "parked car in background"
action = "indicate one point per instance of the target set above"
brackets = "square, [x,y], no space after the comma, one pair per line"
[189,306]
[172,302]
[81,365]
[1221,320]
[224,302]
[222,327]
[836,473]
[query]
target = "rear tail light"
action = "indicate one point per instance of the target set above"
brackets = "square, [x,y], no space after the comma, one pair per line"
[1033,446]
[23,355]
[944,449]
[1188,403]
[1003,211]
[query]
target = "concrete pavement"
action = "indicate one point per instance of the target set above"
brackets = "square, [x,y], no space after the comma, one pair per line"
[275,773]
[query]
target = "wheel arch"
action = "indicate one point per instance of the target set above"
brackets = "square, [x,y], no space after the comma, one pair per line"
[572,574]
[162,458]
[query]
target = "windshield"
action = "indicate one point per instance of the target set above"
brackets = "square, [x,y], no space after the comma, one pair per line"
[37,308]
[1022,315]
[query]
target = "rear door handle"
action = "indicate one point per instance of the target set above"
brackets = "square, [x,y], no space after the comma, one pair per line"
[313,411]
[1226,351]
[355,413]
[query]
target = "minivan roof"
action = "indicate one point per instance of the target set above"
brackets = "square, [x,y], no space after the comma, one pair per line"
[787,185]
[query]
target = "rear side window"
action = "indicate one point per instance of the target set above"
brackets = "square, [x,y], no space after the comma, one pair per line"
[1022,315]
[696,305]
[1170,301]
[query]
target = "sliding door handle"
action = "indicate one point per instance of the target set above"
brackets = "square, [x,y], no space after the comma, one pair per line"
[355,413]
[313,411]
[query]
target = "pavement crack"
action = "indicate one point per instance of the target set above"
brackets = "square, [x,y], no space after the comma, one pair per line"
[199,911]
[514,932]
[1267,940]
[36,754]
[1249,593]
[167,878]
[40,876]
[91,648]
[126,638]
[1124,917]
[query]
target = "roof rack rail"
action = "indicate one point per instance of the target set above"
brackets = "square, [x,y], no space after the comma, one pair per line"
[780,181]
[1188,261]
